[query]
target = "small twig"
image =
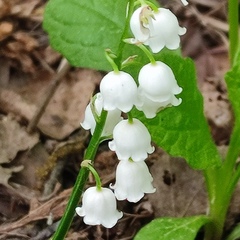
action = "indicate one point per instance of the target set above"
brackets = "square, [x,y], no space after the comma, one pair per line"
[7,234]
[43,62]
[61,71]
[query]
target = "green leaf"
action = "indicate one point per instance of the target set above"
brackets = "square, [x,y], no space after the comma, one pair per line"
[235,234]
[183,130]
[233,84]
[82,29]
[172,228]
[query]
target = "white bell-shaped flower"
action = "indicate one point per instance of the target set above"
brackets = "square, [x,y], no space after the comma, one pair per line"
[151,108]
[133,179]
[131,140]
[118,90]
[156,29]
[99,207]
[157,88]
[89,122]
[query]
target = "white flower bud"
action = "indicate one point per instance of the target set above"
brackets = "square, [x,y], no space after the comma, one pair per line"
[131,140]
[99,207]
[133,179]
[157,88]
[156,29]
[118,90]
[89,122]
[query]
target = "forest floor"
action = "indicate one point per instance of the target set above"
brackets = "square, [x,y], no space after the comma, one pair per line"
[40,156]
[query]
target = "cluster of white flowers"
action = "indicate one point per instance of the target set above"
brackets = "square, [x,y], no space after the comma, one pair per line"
[156,89]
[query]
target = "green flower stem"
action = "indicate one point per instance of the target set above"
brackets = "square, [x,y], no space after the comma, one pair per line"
[233,151]
[111,61]
[130,117]
[221,183]
[93,109]
[147,52]
[219,199]
[233,28]
[142,2]
[81,181]
[96,176]
[153,6]
[148,3]
[125,33]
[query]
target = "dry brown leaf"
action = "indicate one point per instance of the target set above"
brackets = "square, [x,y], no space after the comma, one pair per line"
[180,190]
[28,42]
[65,110]
[4,72]
[54,206]
[12,102]
[50,56]
[22,34]
[23,8]
[32,161]
[4,8]
[211,67]
[14,138]
[12,205]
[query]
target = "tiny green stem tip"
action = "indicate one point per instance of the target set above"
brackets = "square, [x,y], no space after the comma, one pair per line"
[109,56]
[96,176]
[130,117]
[147,52]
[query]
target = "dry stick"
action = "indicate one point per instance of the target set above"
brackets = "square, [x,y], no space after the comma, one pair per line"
[61,71]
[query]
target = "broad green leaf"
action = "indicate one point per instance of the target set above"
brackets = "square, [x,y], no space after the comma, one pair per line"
[183,130]
[82,29]
[172,228]
[233,84]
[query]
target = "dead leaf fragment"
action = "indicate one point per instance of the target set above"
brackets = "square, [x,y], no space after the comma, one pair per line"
[24,9]
[55,206]
[66,108]
[180,191]
[6,173]
[6,29]
[28,42]
[13,138]
[4,8]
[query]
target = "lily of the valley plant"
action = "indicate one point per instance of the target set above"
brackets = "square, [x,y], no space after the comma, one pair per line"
[148,94]
[156,89]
